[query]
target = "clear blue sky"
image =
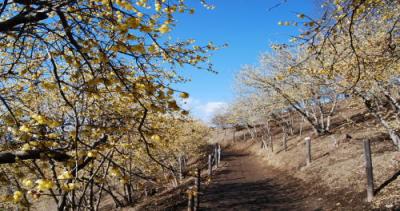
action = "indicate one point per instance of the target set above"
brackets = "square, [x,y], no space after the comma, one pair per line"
[248,27]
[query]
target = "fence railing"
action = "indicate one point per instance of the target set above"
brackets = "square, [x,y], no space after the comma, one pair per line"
[194,192]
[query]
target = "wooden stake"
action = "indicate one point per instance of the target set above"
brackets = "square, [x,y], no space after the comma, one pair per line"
[301,125]
[190,200]
[285,140]
[216,155]
[180,160]
[398,144]
[209,165]
[308,150]
[271,143]
[197,180]
[369,170]
[197,183]
[184,162]
[219,153]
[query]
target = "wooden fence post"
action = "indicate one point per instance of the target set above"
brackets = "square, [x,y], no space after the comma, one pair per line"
[301,125]
[219,153]
[184,161]
[369,170]
[271,143]
[180,160]
[285,136]
[198,179]
[146,191]
[398,145]
[263,146]
[209,165]
[197,182]
[216,155]
[190,200]
[308,150]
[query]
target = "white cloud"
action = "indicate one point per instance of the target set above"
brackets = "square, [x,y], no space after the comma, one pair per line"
[189,103]
[203,110]
[211,107]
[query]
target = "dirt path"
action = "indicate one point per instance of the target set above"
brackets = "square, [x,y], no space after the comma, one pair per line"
[244,183]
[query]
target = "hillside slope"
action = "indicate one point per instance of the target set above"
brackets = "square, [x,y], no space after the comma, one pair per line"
[337,171]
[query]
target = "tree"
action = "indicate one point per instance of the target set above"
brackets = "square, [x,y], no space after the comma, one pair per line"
[356,42]
[85,86]
[287,83]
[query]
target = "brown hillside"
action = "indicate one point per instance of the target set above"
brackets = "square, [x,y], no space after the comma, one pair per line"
[337,172]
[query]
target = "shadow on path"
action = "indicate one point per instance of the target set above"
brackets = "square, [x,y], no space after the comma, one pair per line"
[243,184]
[261,195]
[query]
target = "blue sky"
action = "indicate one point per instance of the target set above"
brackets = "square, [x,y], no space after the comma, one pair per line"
[248,27]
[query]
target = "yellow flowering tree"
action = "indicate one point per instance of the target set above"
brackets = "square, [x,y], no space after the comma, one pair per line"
[85,86]
[356,43]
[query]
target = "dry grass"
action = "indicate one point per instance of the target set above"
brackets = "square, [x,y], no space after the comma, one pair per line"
[174,198]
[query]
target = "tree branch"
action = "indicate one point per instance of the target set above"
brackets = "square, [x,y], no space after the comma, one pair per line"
[55,154]
[23,18]
[12,157]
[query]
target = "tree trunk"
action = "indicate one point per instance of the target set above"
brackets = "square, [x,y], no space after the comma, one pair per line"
[295,105]
[392,133]
[331,112]
[328,123]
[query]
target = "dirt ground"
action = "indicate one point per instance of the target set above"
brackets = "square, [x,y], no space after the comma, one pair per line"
[253,178]
[336,175]
[243,183]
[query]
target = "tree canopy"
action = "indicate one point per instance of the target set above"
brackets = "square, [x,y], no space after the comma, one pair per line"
[86,98]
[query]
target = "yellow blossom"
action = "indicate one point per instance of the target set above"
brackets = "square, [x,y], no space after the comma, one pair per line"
[44,184]
[65,175]
[164,28]
[155,138]
[115,172]
[25,128]
[26,147]
[92,154]
[17,196]
[184,95]
[27,183]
